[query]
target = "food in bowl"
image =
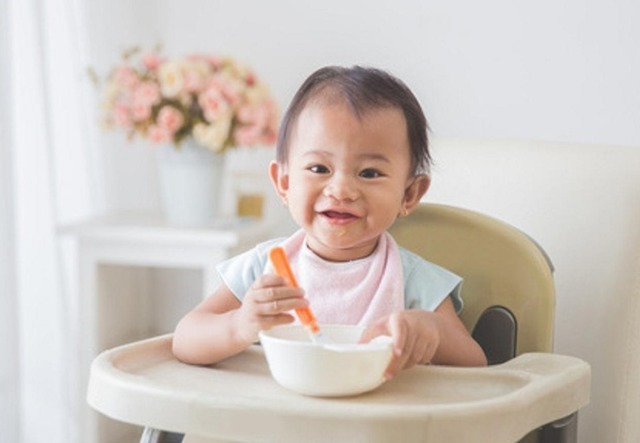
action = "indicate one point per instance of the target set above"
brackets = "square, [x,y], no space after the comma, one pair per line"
[339,367]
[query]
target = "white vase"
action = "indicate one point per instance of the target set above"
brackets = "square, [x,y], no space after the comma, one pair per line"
[191,181]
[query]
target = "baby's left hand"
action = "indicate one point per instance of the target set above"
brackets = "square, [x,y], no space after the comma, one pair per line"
[415,334]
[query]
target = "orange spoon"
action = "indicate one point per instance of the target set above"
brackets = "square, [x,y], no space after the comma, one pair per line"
[282,267]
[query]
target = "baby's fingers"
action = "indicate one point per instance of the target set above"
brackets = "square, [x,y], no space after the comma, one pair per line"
[275,320]
[374,330]
[399,333]
[268,281]
[270,288]
[270,296]
[279,305]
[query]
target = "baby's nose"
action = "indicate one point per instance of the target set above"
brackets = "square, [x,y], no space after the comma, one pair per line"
[342,187]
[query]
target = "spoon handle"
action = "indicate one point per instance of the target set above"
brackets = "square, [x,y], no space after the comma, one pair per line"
[282,267]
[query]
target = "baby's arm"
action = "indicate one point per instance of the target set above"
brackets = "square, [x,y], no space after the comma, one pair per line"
[421,337]
[220,326]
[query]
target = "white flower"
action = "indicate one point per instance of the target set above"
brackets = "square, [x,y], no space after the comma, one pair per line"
[194,74]
[170,76]
[256,94]
[215,135]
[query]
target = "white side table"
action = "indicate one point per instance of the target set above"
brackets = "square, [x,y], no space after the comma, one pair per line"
[114,303]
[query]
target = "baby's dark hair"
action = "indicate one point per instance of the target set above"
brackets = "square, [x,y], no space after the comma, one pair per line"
[362,89]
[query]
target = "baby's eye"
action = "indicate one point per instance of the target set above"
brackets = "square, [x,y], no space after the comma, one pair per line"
[319,169]
[370,173]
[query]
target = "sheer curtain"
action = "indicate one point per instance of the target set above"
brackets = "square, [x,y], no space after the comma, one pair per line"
[9,400]
[49,176]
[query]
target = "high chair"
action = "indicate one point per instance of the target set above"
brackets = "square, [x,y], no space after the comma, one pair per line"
[508,289]
[527,392]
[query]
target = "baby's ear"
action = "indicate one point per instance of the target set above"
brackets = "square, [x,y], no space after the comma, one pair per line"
[280,179]
[414,193]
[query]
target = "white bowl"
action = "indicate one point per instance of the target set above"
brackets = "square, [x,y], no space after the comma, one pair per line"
[340,368]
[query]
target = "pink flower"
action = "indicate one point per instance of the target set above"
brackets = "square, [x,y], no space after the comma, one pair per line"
[159,134]
[194,74]
[229,86]
[259,123]
[246,114]
[247,135]
[253,114]
[262,115]
[269,137]
[170,119]
[250,78]
[121,115]
[145,95]
[213,103]
[126,76]
[152,61]
[191,81]
[214,61]
[140,112]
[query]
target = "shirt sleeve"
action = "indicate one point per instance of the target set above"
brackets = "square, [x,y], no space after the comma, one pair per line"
[426,284]
[238,273]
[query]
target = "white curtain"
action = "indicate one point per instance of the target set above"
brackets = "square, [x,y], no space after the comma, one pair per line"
[8,326]
[48,177]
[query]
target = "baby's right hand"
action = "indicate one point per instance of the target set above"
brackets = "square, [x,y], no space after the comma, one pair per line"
[266,305]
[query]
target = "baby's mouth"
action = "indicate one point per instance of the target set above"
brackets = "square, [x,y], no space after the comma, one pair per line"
[339,217]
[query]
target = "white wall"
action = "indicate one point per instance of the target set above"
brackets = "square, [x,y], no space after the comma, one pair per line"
[548,70]
[552,70]
[500,69]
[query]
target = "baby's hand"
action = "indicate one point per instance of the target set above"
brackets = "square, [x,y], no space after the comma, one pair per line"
[266,304]
[415,335]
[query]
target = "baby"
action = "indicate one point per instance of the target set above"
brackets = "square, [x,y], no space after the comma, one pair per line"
[352,156]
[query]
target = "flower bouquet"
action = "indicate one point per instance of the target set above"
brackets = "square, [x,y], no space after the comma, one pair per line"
[196,107]
[215,100]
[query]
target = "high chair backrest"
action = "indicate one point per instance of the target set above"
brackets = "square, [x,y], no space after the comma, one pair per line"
[508,289]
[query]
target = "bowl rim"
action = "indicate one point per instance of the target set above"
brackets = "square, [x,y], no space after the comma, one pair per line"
[267,332]
[333,347]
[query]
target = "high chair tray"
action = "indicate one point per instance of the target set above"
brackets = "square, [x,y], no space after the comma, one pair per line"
[142,383]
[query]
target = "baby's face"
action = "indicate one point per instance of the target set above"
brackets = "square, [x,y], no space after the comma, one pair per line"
[345,179]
